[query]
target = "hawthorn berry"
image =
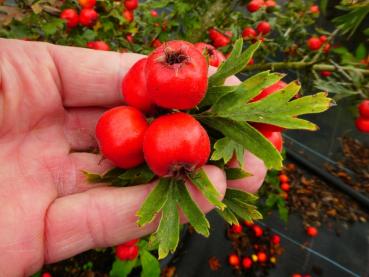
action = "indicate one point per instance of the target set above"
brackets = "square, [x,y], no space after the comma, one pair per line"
[364,109]
[314,9]
[325,73]
[71,17]
[283,178]
[88,17]
[270,4]
[251,61]
[176,75]
[249,33]
[263,27]
[120,134]
[258,231]
[98,45]
[46,274]
[215,57]
[175,143]
[131,242]
[296,275]
[126,253]
[129,38]
[134,88]
[218,39]
[274,137]
[275,239]
[154,13]
[128,15]
[285,187]
[326,48]
[233,260]
[362,124]
[87,4]
[236,229]
[131,4]
[246,263]
[323,38]
[311,231]
[156,43]
[248,223]
[254,5]
[314,43]
[262,257]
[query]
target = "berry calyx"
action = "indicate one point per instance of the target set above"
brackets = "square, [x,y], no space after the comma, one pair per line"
[215,57]
[120,134]
[134,88]
[233,260]
[285,187]
[364,109]
[98,45]
[88,17]
[275,239]
[249,33]
[362,124]
[263,27]
[236,229]
[176,74]
[131,4]
[311,231]
[175,144]
[71,17]
[246,263]
[314,43]
[87,4]
[283,178]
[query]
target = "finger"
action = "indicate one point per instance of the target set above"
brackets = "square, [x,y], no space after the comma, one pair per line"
[80,125]
[253,165]
[103,217]
[89,77]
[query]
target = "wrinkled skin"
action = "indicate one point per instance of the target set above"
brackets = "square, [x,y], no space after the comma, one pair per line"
[50,100]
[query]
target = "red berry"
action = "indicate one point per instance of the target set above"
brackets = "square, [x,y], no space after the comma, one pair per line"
[213,33]
[246,263]
[248,223]
[236,229]
[128,15]
[120,133]
[46,274]
[176,74]
[283,178]
[251,61]
[218,39]
[364,109]
[134,88]
[269,90]
[296,275]
[71,17]
[362,124]
[156,43]
[87,4]
[323,38]
[175,142]
[262,257]
[88,17]
[263,27]
[98,45]
[270,4]
[131,4]
[129,37]
[276,239]
[131,242]
[314,43]
[311,231]
[314,9]
[125,253]
[215,57]
[254,5]
[258,231]
[154,13]
[326,48]
[285,187]
[325,73]
[233,260]
[248,33]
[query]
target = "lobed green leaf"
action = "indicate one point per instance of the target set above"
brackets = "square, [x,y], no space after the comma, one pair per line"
[150,265]
[225,148]
[236,173]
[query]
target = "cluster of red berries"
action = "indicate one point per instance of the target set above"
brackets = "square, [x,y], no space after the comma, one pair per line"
[262,28]
[255,5]
[284,185]
[362,122]
[315,43]
[218,38]
[173,76]
[258,255]
[127,251]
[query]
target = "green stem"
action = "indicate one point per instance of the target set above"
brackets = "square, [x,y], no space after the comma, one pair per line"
[302,65]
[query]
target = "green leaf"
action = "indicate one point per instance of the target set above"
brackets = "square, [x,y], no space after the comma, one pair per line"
[234,64]
[89,35]
[154,202]
[53,26]
[150,265]
[107,177]
[246,91]
[202,182]
[167,233]
[248,137]
[122,268]
[138,175]
[213,94]
[225,148]
[360,52]
[194,215]
[236,173]
[228,216]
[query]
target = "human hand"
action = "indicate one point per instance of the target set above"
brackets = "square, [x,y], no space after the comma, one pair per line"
[50,100]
